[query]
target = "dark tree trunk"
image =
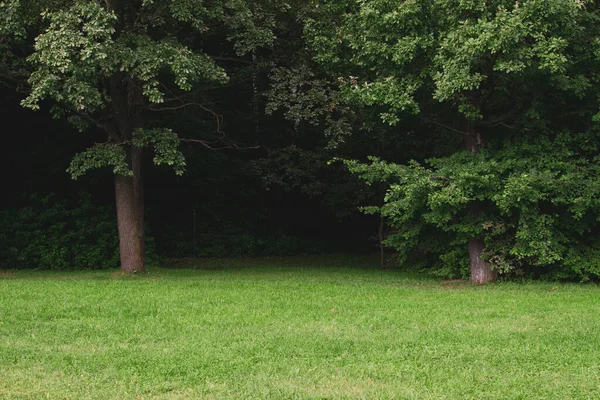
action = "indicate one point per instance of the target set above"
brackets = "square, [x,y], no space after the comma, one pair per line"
[126,99]
[481,271]
[126,115]
[130,219]
[138,197]
[255,97]
[380,240]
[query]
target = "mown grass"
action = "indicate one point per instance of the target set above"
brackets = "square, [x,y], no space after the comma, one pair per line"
[304,328]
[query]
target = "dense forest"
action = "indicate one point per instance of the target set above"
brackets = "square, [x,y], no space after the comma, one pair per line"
[456,137]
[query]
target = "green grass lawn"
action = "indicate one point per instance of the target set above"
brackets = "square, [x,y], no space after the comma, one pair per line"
[303,328]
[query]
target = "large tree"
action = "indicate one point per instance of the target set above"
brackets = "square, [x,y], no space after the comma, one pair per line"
[481,70]
[110,65]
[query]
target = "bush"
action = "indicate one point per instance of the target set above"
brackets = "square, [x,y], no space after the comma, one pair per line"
[232,241]
[48,234]
[539,207]
[235,243]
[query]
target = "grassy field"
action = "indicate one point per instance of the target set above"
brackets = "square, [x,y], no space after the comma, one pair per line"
[303,328]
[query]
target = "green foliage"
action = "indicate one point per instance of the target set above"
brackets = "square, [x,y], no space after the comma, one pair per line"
[233,242]
[72,55]
[230,242]
[104,64]
[304,96]
[309,173]
[513,81]
[164,142]
[80,48]
[11,23]
[537,206]
[100,155]
[292,168]
[166,147]
[49,234]
[402,55]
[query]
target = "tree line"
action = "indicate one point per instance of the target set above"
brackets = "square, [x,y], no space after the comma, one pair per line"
[469,130]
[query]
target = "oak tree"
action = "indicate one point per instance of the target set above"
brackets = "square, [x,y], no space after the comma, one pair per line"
[106,64]
[485,71]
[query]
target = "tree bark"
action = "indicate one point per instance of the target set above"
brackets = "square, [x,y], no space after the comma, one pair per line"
[255,97]
[481,271]
[138,195]
[380,240]
[130,217]
[126,99]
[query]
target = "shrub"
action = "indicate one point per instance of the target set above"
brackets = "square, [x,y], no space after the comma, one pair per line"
[48,234]
[539,202]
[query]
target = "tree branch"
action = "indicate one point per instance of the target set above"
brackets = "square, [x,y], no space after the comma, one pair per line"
[218,117]
[238,60]
[493,122]
[190,95]
[209,145]
[442,125]
[507,126]
[12,81]
[111,134]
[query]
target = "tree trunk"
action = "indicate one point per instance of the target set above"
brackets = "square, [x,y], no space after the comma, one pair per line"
[255,97]
[130,216]
[138,195]
[481,271]
[380,240]
[126,99]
